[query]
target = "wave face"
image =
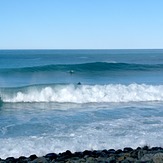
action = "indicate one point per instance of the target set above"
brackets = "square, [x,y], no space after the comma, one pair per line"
[94,66]
[83,93]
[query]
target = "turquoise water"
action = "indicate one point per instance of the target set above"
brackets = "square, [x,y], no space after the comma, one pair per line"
[54,100]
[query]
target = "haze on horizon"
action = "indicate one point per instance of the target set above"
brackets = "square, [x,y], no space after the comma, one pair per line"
[82,24]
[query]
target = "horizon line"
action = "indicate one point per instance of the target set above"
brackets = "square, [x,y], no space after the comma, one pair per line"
[85,49]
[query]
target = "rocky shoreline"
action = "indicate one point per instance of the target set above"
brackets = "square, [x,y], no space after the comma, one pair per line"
[127,155]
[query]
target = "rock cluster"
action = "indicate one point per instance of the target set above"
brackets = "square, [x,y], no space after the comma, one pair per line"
[127,155]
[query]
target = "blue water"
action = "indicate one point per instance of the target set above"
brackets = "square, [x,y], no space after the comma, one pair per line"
[54,100]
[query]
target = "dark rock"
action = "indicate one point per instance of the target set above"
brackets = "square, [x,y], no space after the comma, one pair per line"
[81,160]
[138,148]
[103,154]
[59,159]
[68,153]
[22,159]
[111,151]
[127,149]
[141,153]
[111,160]
[86,152]
[156,149]
[145,147]
[32,157]
[130,159]
[118,151]
[128,155]
[51,156]
[10,160]
[105,151]
[125,161]
[96,154]
[134,154]
[64,156]
[121,158]
[40,160]
[90,160]
[78,154]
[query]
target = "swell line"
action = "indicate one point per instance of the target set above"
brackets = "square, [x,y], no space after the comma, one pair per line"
[95,66]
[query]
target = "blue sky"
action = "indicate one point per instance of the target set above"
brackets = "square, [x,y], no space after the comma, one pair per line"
[81,24]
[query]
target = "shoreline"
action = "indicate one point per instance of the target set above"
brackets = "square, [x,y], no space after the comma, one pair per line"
[127,155]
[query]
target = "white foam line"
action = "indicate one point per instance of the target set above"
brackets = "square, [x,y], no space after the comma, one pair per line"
[89,93]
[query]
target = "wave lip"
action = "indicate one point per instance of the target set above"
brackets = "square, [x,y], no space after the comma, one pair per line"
[85,93]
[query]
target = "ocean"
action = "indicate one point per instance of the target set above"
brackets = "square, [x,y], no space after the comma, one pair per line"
[58,100]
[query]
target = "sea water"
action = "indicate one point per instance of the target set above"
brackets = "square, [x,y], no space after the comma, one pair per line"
[58,100]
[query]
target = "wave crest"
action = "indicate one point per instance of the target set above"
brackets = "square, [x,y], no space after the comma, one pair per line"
[85,93]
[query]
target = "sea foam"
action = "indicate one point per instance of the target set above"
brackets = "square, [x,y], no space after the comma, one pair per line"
[85,93]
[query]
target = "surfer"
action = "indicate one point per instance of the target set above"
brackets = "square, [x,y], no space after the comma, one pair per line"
[79,83]
[71,71]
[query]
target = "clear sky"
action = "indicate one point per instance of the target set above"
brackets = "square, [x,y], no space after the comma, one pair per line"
[81,24]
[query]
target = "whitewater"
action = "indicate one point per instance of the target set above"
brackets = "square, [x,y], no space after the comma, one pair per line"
[58,100]
[85,93]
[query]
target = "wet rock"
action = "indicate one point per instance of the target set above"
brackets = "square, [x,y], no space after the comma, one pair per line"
[147,157]
[86,152]
[145,147]
[130,159]
[105,151]
[96,154]
[121,158]
[127,149]
[78,154]
[111,151]
[11,160]
[156,149]
[32,157]
[119,151]
[82,160]
[134,154]
[68,153]
[103,154]
[126,161]
[138,148]
[128,155]
[40,160]
[51,156]
[22,159]
[65,155]
[111,160]
[158,158]
[141,153]
[90,160]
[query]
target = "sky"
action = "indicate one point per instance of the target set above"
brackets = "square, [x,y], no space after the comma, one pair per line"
[81,24]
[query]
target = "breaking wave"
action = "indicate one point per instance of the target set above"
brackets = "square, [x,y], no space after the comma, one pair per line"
[83,93]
